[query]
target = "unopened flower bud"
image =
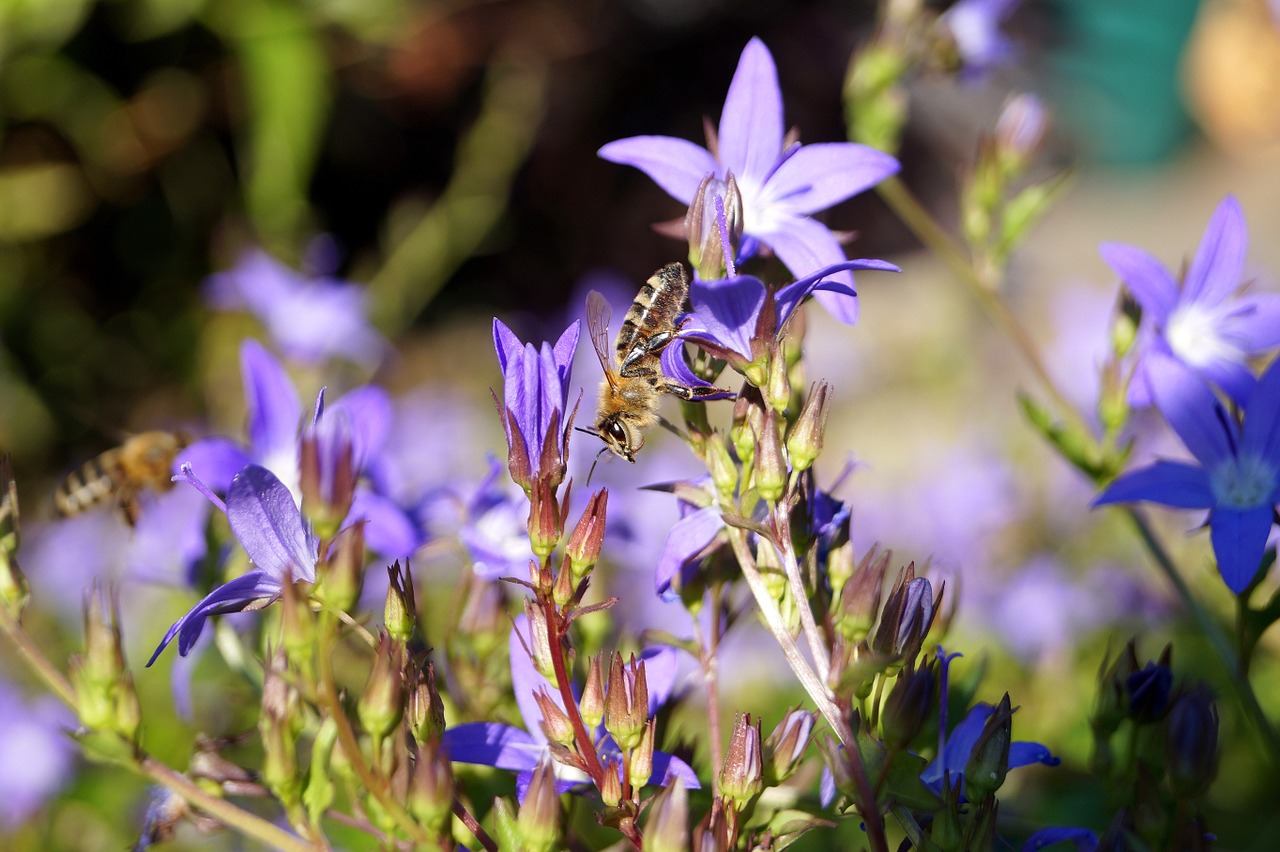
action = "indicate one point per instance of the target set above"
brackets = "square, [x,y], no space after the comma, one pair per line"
[382,704]
[14,591]
[591,705]
[297,624]
[1112,706]
[483,624]
[906,618]
[771,464]
[837,761]
[340,577]
[909,706]
[804,441]
[777,390]
[588,536]
[563,589]
[667,828]
[545,524]
[539,819]
[785,747]
[626,708]
[610,782]
[399,614]
[277,725]
[426,709]
[555,722]
[746,415]
[320,790]
[742,777]
[539,640]
[642,756]
[1192,743]
[327,475]
[104,652]
[1148,691]
[1020,131]
[431,790]
[714,226]
[724,472]
[989,759]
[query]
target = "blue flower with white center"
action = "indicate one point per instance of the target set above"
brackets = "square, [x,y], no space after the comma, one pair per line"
[1238,478]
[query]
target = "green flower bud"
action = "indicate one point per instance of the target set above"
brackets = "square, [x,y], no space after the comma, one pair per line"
[667,828]
[804,441]
[381,706]
[989,760]
[400,612]
[539,819]
[742,777]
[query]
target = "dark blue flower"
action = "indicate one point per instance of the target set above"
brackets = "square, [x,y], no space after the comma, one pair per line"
[1238,478]
[950,763]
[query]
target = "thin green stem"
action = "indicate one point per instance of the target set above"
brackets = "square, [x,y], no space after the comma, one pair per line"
[47,672]
[817,647]
[220,809]
[944,247]
[1218,640]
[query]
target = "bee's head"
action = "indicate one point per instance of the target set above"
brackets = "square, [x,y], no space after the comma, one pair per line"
[619,437]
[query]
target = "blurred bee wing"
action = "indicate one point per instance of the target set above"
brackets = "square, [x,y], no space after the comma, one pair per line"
[598,314]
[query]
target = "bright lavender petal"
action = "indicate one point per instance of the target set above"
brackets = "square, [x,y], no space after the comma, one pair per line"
[823,280]
[1166,482]
[676,165]
[215,461]
[1214,273]
[667,768]
[232,596]
[1145,276]
[818,176]
[805,246]
[1239,538]
[1262,418]
[493,744]
[268,524]
[975,26]
[368,411]
[388,531]
[1191,409]
[751,129]
[36,755]
[725,311]
[505,343]
[687,539]
[660,674]
[274,410]
[1256,322]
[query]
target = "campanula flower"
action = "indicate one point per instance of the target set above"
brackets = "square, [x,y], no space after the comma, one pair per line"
[535,396]
[1238,478]
[1204,322]
[309,319]
[275,421]
[959,745]
[519,750]
[730,319]
[36,755]
[782,183]
[974,25]
[281,545]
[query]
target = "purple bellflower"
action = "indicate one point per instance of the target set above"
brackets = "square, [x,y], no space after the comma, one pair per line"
[782,183]
[519,750]
[955,753]
[1084,839]
[974,25]
[535,396]
[1238,478]
[494,528]
[274,413]
[280,544]
[738,319]
[1203,322]
[310,320]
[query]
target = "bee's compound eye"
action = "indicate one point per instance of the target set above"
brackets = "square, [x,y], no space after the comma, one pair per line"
[617,433]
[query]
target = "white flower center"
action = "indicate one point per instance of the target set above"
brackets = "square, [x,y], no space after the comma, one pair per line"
[1243,483]
[1196,336]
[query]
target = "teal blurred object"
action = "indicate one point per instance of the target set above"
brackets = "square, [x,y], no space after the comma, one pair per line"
[1114,68]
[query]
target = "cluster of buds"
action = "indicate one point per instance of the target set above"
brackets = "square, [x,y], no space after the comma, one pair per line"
[1157,741]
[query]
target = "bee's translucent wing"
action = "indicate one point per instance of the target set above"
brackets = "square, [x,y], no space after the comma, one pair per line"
[598,313]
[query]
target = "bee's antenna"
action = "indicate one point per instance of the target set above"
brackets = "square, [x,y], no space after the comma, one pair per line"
[586,430]
[594,462]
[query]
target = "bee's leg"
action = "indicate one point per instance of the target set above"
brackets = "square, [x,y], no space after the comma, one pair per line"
[689,394]
[636,372]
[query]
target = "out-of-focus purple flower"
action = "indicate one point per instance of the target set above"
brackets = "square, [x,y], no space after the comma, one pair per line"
[280,544]
[517,750]
[1203,322]
[1084,839]
[36,755]
[782,182]
[975,27]
[730,319]
[535,395]
[696,534]
[494,527]
[1238,479]
[274,429]
[309,319]
[958,747]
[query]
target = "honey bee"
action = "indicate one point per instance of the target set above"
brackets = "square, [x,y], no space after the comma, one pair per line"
[121,474]
[633,378]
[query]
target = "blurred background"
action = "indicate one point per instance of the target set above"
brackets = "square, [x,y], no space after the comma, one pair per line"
[442,155]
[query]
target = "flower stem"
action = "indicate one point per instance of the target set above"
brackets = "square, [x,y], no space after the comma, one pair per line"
[782,526]
[913,214]
[38,663]
[1217,639]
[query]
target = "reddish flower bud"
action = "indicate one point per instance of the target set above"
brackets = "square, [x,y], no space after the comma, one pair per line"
[642,756]
[742,777]
[785,747]
[771,464]
[588,536]
[555,722]
[426,709]
[545,523]
[591,705]
[626,707]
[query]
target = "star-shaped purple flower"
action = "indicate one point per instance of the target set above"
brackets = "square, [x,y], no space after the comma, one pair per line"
[1238,478]
[280,544]
[782,183]
[1203,322]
